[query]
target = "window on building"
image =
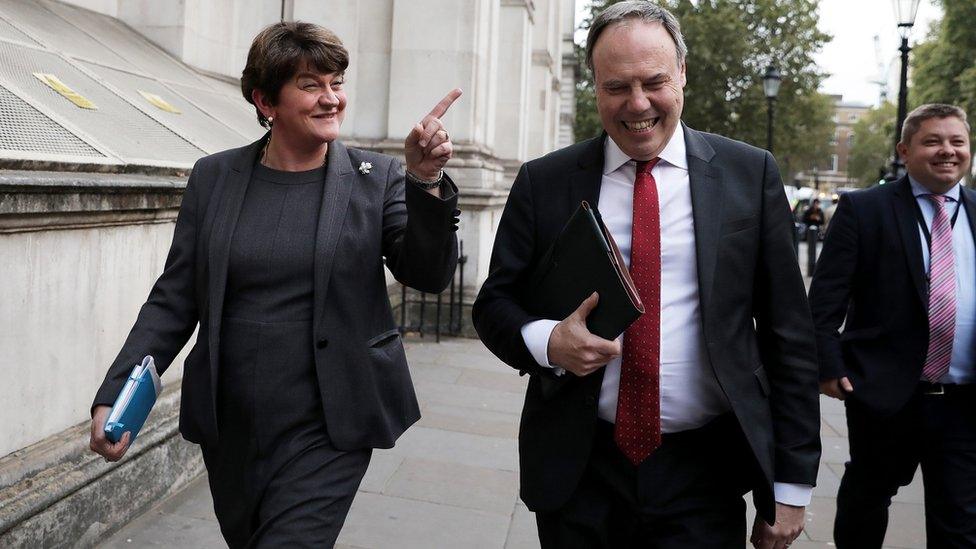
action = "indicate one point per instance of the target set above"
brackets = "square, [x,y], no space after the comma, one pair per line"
[850,140]
[852,117]
[833,163]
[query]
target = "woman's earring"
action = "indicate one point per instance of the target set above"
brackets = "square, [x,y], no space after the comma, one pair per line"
[270,121]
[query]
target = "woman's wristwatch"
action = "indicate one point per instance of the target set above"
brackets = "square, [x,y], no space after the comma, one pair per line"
[424,183]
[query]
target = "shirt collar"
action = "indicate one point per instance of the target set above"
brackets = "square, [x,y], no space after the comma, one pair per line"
[674,153]
[919,190]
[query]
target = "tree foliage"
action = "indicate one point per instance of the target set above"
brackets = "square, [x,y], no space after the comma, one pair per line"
[587,122]
[944,64]
[873,145]
[730,43]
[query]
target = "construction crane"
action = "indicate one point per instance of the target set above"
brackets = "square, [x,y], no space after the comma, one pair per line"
[881,79]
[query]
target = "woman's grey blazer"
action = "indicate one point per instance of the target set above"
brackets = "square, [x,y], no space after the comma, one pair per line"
[367,395]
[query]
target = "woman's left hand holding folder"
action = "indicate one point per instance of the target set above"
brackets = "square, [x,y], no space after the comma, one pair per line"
[100,444]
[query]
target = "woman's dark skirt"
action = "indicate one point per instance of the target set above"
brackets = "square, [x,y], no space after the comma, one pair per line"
[275,477]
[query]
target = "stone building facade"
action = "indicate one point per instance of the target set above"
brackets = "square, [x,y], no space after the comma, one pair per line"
[513,59]
[88,198]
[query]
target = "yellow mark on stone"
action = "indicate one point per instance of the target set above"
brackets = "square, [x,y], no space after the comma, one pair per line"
[159,102]
[71,95]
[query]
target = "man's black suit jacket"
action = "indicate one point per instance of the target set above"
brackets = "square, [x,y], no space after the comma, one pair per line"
[754,312]
[367,395]
[870,274]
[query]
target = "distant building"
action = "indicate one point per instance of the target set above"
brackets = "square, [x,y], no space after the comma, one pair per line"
[831,172]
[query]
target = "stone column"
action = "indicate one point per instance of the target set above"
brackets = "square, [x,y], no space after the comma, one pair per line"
[544,98]
[567,77]
[342,18]
[438,45]
[211,35]
[369,44]
[512,112]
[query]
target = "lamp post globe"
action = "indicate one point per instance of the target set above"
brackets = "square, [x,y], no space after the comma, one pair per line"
[905,12]
[771,82]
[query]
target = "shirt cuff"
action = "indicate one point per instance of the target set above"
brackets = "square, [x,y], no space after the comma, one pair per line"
[536,336]
[797,495]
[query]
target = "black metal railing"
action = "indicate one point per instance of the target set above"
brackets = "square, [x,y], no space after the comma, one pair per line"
[415,304]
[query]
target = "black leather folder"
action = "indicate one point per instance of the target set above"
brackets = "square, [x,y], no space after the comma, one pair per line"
[585,259]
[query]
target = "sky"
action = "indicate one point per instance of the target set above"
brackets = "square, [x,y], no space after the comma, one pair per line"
[850,57]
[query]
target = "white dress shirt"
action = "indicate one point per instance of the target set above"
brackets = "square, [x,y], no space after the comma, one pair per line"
[961,369]
[689,392]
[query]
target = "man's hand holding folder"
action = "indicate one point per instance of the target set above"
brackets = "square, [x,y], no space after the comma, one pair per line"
[99,443]
[582,279]
[574,348]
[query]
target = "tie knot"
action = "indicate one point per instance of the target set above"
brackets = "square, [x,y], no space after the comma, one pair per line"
[645,166]
[939,199]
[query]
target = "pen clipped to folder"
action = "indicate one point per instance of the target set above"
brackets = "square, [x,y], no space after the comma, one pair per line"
[134,402]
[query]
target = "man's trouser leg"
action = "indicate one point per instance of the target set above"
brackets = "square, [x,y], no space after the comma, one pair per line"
[884,457]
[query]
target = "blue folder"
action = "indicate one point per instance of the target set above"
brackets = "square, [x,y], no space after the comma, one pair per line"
[134,402]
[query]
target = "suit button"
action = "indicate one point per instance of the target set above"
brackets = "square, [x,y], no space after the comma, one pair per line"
[322,343]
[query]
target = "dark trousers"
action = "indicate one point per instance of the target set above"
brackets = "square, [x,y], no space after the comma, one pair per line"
[276,478]
[937,432]
[299,503]
[687,494]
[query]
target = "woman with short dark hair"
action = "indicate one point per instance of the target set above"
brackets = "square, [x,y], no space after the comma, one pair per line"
[298,370]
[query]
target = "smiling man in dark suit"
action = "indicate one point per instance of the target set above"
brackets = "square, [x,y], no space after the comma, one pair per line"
[898,270]
[651,440]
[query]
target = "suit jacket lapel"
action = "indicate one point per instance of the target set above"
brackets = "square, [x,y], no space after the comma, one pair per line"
[706,204]
[706,198]
[904,206]
[970,205]
[225,220]
[584,184]
[339,180]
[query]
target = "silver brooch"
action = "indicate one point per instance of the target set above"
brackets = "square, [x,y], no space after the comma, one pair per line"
[364,167]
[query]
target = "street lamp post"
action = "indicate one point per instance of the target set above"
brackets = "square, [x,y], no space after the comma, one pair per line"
[771,82]
[905,12]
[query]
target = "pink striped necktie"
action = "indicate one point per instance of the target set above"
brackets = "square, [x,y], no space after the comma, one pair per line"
[942,294]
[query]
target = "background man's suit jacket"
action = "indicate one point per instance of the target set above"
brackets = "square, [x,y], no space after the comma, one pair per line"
[746,270]
[366,389]
[871,273]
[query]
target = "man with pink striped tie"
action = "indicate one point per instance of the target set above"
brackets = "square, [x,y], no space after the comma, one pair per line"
[898,270]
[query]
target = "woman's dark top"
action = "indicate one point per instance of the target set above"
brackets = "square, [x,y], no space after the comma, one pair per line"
[268,392]
[269,278]
[274,474]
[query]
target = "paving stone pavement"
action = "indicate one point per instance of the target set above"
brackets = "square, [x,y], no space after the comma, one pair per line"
[452,479]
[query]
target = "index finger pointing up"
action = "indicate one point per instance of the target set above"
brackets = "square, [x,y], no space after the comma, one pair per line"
[444,104]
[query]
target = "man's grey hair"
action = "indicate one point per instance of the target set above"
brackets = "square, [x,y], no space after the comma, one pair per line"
[931,110]
[644,11]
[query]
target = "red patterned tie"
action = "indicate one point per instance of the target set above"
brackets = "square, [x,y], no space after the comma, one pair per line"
[638,425]
[942,294]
